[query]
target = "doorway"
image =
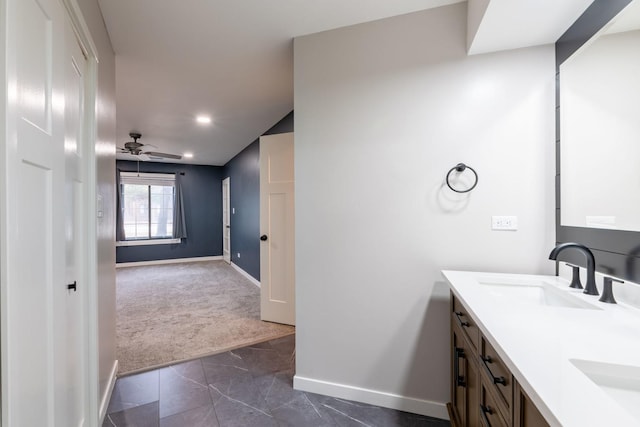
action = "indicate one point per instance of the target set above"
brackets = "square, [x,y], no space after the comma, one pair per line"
[277,229]
[226,221]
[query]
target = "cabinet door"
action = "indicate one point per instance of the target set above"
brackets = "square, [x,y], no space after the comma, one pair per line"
[465,387]
[525,412]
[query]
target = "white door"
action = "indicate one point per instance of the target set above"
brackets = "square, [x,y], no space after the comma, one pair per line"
[73,364]
[41,378]
[226,221]
[277,229]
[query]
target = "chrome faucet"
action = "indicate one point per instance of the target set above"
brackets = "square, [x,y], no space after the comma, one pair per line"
[590,289]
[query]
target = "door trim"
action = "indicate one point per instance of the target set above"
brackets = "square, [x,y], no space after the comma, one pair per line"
[93,410]
[226,217]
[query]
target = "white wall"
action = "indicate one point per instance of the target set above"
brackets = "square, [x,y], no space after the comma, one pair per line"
[383,111]
[105,153]
[475,12]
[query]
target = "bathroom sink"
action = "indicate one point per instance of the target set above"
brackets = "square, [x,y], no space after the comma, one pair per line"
[620,382]
[535,293]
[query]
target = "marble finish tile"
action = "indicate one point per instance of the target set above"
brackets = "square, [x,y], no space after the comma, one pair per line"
[140,416]
[285,346]
[205,416]
[225,366]
[134,390]
[251,386]
[263,359]
[241,390]
[277,389]
[236,413]
[183,387]
[299,411]
[346,413]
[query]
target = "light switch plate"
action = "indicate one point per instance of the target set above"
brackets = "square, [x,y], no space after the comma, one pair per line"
[504,223]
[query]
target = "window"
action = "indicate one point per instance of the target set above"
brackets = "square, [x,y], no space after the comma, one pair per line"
[147,205]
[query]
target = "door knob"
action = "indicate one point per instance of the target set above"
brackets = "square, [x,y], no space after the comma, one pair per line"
[264,237]
[72,286]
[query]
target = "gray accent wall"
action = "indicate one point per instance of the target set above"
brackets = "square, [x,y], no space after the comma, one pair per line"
[202,195]
[244,173]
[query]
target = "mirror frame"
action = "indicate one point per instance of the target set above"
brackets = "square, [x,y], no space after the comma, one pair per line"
[617,252]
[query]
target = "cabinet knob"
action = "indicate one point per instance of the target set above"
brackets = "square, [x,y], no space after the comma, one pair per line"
[500,380]
[496,380]
[464,324]
[484,410]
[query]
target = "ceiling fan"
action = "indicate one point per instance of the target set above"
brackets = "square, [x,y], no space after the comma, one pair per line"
[142,151]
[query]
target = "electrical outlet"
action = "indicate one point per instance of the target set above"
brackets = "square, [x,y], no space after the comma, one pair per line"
[238,254]
[508,223]
[233,211]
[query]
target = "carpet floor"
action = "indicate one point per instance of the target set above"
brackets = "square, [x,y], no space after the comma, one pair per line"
[174,312]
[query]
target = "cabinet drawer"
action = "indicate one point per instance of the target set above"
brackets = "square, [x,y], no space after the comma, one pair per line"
[498,376]
[490,415]
[466,323]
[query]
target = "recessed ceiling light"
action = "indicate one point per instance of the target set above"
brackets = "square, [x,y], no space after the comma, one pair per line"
[203,120]
[188,155]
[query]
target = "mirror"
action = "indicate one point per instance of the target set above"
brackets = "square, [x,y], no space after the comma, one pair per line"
[617,251]
[600,128]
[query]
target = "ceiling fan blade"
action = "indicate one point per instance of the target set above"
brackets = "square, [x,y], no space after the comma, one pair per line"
[126,155]
[143,157]
[163,155]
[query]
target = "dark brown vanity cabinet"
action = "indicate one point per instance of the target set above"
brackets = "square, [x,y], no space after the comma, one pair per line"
[527,413]
[483,390]
[466,381]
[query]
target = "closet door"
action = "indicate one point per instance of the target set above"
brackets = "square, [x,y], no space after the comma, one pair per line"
[43,345]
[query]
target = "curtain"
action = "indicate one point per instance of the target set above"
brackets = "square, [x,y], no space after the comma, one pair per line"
[119,209]
[179,224]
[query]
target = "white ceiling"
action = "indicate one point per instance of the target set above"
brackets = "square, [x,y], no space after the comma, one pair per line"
[231,59]
[509,24]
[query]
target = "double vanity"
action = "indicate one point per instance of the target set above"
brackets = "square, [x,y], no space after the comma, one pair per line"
[531,351]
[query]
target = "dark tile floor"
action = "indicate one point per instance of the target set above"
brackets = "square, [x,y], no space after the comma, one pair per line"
[250,386]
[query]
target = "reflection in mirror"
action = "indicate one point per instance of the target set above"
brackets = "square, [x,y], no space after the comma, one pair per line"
[600,128]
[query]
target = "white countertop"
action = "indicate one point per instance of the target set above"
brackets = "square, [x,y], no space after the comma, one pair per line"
[537,343]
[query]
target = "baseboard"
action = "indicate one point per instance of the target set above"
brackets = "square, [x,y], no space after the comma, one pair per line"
[104,401]
[247,275]
[168,261]
[372,397]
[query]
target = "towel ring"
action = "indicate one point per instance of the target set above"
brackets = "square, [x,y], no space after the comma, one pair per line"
[461,167]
